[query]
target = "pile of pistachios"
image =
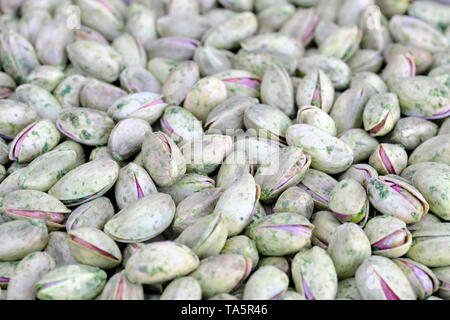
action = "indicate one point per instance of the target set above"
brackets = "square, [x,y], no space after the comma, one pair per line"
[224,149]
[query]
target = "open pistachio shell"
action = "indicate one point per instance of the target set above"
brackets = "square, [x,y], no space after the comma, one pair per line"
[33,204]
[281,233]
[422,279]
[393,196]
[119,287]
[91,246]
[163,159]
[132,184]
[206,237]
[314,274]
[266,283]
[388,236]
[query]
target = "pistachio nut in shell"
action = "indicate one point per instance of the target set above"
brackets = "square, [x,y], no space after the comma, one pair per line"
[360,172]
[174,48]
[86,126]
[142,105]
[266,283]
[301,25]
[161,67]
[267,121]
[182,24]
[327,153]
[242,245]
[296,200]
[180,124]
[393,196]
[104,17]
[58,248]
[443,275]
[348,109]
[132,184]
[381,113]
[206,237]
[84,55]
[36,139]
[277,89]
[152,222]
[234,166]
[237,204]
[187,185]
[160,261]
[314,274]
[194,207]
[211,60]
[361,143]
[131,50]
[318,185]
[21,237]
[370,82]
[46,77]
[67,92]
[91,246]
[44,171]
[139,79]
[126,138]
[318,118]
[86,182]
[281,263]
[11,182]
[434,185]
[33,204]
[337,70]
[281,233]
[410,30]
[348,201]
[229,34]
[99,95]
[422,97]
[29,270]
[119,287]
[229,114]
[184,288]
[421,278]
[325,224]
[206,153]
[430,245]
[389,158]
[204,96]
[51,42]
[18,55]
[366,61]
[348,248]
[412,131]
[10,125]
[94,213]
[240,83]
[434,149]
[388,236]
[179,82]
[342,43]
[71,282]
[162,159]
[315,89]
[281,170]
[222,273]
[379,278]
